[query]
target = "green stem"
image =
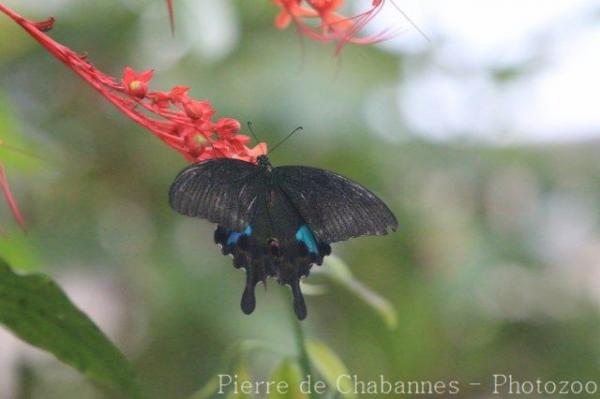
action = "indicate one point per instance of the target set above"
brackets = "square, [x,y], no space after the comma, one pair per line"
[303,358]
[26,381]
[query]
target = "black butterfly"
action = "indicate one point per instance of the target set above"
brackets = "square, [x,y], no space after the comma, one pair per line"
[277,222]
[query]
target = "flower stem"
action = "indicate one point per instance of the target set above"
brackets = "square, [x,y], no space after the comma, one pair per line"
[303,359]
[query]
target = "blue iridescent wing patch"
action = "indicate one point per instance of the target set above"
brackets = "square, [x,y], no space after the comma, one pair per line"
[305,235]
[234,236]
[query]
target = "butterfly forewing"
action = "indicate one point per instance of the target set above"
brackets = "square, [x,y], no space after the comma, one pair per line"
[335,207]
[223,191]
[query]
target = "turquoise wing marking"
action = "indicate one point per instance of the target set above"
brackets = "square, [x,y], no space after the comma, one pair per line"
[234,236]
[306,236]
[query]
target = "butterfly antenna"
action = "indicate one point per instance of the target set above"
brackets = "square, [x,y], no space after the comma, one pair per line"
[251,128]
[286,138]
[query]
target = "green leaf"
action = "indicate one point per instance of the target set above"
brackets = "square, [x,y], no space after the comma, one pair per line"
[338,271]
[288,371]
[330,366]
[35,309]
[17,248]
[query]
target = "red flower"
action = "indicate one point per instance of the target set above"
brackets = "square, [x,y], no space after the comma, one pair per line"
[137,83]
[179,94]
[179,120]
[161,99]
[198,109]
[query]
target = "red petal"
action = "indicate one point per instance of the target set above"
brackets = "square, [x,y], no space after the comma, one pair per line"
[283,20]
[128,75]
[146,75]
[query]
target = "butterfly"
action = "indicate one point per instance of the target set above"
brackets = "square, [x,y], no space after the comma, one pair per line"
[277,221]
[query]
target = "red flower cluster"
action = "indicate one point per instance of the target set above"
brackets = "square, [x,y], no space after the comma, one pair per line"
[332,26]
[179,120]
[190,121]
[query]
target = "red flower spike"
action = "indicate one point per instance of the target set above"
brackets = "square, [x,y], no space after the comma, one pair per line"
[333,27]
[180,121]
[10,199]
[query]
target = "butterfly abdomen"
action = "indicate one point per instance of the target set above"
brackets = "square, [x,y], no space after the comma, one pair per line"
[262,257]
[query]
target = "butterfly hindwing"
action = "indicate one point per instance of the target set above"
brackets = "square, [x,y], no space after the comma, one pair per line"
[335,207]
[223,191]
[277,244]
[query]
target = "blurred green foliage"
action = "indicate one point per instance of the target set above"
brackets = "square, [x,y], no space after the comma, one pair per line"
[37,311]
[492,270]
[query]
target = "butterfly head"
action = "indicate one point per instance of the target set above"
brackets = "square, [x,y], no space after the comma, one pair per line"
[263,162]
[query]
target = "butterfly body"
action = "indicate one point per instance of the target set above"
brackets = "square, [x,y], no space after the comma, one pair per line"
[277,222]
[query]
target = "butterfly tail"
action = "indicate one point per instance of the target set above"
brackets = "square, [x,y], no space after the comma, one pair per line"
[299,304]
[248,297]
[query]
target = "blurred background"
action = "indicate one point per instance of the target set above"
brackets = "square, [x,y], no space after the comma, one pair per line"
[484,142]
